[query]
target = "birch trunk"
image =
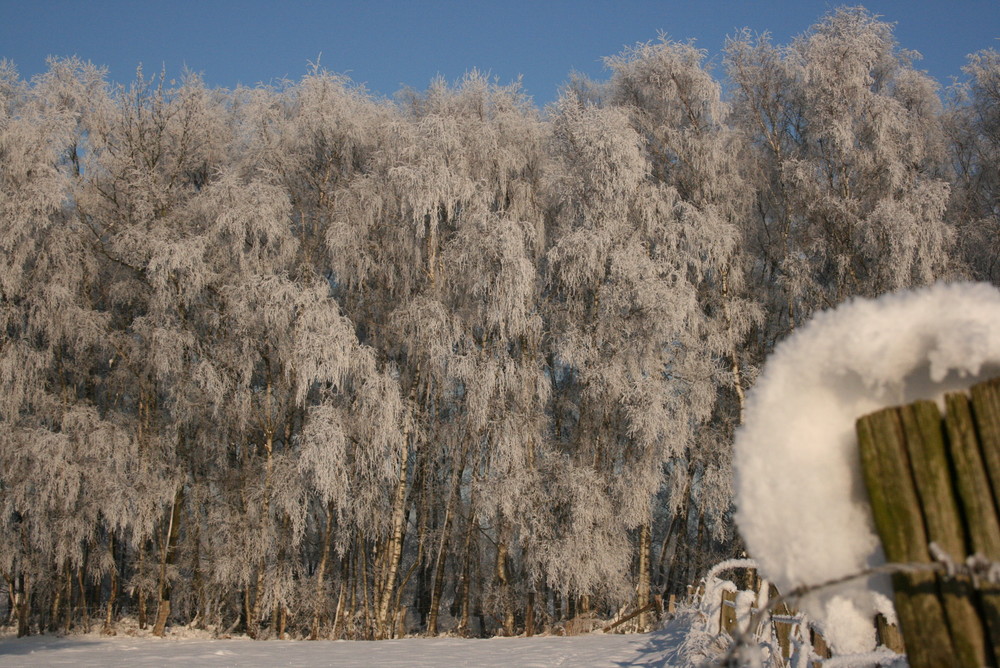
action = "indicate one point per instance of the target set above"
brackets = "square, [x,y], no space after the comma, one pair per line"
[503,577]
[167,557]
[385,621]
[22,605]
[254,614]
[338,618]
[437,584]
[109,629]
[463,594]
[321,576]
[362,576]
[642,587]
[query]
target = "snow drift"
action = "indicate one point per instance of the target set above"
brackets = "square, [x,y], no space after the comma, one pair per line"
[801,503]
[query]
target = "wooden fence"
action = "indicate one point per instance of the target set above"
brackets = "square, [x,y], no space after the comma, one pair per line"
[934,485]
[750,613]
[754,613]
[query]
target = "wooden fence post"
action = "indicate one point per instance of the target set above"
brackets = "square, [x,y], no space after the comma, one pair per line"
[727,612]
[896,510]
[933,480]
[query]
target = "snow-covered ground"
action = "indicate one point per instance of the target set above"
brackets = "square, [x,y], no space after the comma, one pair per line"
[653,649]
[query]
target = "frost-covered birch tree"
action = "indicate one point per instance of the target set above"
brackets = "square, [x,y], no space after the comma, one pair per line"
[437,244]
[150,149]
[64,490]
[675,104]
[632,381]
[973,129]
[849,156]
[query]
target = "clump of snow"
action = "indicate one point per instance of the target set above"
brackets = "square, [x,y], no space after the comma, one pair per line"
[801,503]
[745,601]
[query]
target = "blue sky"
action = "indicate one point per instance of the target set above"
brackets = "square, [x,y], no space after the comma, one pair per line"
[391,44]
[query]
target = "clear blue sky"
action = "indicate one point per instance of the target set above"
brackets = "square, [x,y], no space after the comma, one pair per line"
[390,44]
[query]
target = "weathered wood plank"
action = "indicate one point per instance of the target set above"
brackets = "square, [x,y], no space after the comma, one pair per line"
[889,635]
[973,484]
[977,503]
[986,408]
[900,523]
[727,621]
[925,445]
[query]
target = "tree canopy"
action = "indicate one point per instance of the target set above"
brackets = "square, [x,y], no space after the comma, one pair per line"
[297,359]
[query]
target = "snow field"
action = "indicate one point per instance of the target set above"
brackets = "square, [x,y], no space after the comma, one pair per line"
[539,652]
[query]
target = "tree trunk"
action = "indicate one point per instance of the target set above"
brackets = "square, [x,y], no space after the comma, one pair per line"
[733,352]
[642,586]
[11,608]
[503,577]
[254,613]
[352,611]
[463,593]
[362,577]
[140,591]
[81,583]
[437,584]
[197,580]
[22,604]
[68,596]
[167,558]
[529,615]
[53,624]
[668,546]
[320,576]
[338,618]
[247,611]
[385,620]
[679,528]
[109,628]
[143,612]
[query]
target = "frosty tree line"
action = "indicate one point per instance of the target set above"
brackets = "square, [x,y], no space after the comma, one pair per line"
[296,359]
